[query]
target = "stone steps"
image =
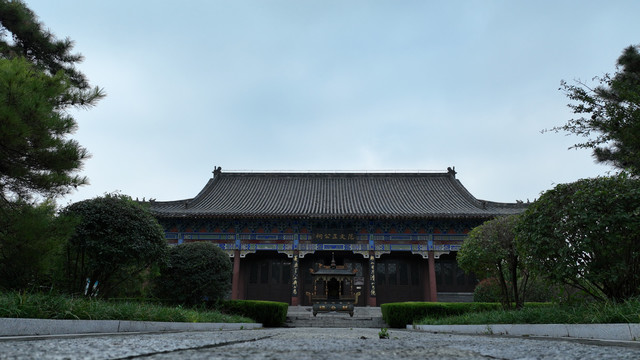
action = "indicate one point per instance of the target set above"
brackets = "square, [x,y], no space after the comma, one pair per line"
[364,317]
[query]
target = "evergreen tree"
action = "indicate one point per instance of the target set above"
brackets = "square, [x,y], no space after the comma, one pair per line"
[610,114]
[38,85]
[29,39]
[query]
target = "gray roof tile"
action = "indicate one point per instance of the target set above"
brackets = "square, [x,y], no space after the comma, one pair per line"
[334,195]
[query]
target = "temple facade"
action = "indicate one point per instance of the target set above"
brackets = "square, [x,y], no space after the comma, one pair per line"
[394,235]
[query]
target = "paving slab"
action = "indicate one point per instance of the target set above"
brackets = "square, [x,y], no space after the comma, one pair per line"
[312,344]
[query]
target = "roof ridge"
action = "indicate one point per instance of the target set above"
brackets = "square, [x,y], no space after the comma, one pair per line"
[339,171]
[335,174]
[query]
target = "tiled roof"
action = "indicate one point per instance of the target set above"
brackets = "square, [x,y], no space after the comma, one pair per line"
[334,195]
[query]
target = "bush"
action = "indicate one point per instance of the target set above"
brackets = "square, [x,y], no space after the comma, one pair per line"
[115,240]
[269,313]
[487,290]
[399,315]
[585,234]
[195,272]
[542,290]
[538,290]
[32,240]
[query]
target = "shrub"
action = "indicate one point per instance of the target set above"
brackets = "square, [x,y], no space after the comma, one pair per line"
[32,240]
[487,290]
[115,240]
[269,313]
[542,290]
[585,234]
[194,273]
[399,315]
[538,290]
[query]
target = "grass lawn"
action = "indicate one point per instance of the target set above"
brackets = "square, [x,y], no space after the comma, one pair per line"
[589,313]
[21,305]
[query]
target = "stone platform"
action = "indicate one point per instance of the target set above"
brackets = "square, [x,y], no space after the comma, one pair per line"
[363,317]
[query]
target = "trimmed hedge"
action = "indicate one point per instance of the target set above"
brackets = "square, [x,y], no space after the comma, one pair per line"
[269,313]
[195,272]
[399,315]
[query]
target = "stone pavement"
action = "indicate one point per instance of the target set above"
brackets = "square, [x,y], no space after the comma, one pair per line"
[301,317]
[310,343]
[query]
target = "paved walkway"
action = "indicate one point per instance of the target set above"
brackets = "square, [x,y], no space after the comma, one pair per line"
[310,343]
[363,318]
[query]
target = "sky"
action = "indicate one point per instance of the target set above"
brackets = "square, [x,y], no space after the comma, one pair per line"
[334,85]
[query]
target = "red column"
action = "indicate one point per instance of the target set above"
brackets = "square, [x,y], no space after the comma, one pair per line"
[235,280]
[433,292]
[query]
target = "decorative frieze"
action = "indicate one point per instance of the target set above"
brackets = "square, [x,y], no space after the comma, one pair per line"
[305,243]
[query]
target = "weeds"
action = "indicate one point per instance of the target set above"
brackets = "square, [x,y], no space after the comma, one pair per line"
[21,305]
[586,313]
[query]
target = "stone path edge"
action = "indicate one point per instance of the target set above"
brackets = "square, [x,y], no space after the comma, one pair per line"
[621,332]
[27,327]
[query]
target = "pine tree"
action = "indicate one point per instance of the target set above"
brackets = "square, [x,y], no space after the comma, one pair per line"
[610,114]
[38,85]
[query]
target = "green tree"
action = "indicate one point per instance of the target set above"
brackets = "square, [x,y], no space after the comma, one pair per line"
[22,35]
[490,251]
[609,114]
[38,86]
[195,272]
[35,154]
[32,239]
[585,234]
[115,239]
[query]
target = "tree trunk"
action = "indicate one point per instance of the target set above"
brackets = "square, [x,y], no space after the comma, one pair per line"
[514,282]
[506,301]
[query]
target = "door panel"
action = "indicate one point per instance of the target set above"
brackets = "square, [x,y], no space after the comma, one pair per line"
[269,279]
[398,279]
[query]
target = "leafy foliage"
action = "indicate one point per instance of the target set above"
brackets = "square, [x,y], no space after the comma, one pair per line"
[29,39]
[34,153]
[269,313]
[610,114]
[488,290]
[48,306]
[195,272]
[538,290]
[38,85]
[585,234]
[32,240]
[115,239]
[490,251]
[399,315]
